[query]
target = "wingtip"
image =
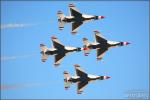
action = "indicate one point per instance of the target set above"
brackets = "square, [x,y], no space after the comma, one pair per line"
[96,31]
[56,65]
[71,5]
[65,72]
[84,39]
[79,92]
[74,32]
[53,37]
[59,12]
[76,65]
[61,28]
[43,60]
[42,45]
[66,88]
[98,59]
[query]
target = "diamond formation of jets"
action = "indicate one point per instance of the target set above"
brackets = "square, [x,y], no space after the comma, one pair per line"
[101,45]
[76,18]
[58,50]
[81,78]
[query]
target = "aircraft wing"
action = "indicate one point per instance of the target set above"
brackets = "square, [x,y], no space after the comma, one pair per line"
[58,58]
[44,57]
[75,26]
[75,12]
[80,72]
[100,53]
[56,43]
[80,86]
[99,38]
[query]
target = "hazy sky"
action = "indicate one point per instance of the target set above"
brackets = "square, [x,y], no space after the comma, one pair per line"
[26,24]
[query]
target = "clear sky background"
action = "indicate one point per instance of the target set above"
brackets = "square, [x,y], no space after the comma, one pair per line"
[26,24]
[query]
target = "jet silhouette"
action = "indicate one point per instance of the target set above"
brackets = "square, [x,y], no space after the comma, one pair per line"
[76,18]
[81,78]
[101,45]
[58,50]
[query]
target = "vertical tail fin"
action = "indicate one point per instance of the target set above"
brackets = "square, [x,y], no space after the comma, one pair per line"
[43,48]
[60,15]
[66,75]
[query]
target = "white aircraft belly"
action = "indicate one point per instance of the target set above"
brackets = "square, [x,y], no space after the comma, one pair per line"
[112,42]
[52,49]
[93,76]
[70,48]
[87,16]
[69,17]
[95,43]
[75,77]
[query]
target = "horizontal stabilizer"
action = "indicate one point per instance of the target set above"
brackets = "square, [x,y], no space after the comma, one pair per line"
[60,15]
[43,48]
[66,75]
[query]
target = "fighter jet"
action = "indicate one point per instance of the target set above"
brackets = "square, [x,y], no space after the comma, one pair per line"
[75,17]
[81,78]
[101,45]
[58,50]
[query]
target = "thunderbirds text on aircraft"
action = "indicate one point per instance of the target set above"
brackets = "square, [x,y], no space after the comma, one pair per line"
[100,44]
[58,50]
[81,78]
[76,18]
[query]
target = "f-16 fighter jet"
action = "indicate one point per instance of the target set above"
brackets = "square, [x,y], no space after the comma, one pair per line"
[76,18]
[101,45]
[81,78]
[58,50]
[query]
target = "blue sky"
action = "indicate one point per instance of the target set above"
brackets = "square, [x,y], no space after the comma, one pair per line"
[26,24]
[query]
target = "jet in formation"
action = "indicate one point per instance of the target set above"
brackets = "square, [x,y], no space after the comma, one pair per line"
[76,18]
[101,45]
[81,78]
[58,50]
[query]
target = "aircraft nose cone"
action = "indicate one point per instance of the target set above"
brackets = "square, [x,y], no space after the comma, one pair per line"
[107,77]
[101,17]
[126,43]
